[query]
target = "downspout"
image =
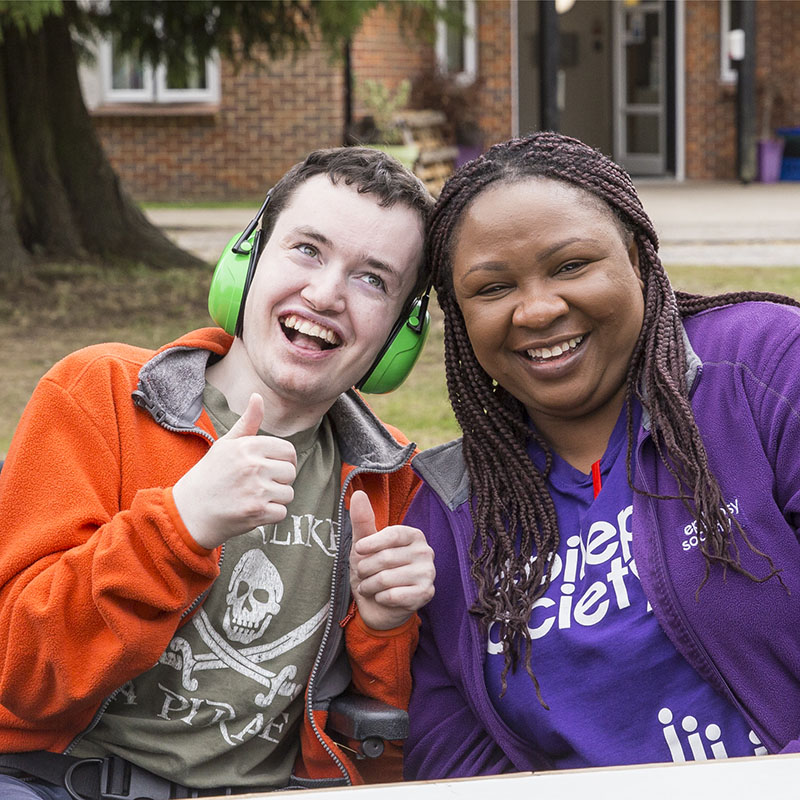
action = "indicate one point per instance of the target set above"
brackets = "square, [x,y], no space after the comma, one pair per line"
[347,75]
[746,97]
[514,65]
[680,90]
[548,65]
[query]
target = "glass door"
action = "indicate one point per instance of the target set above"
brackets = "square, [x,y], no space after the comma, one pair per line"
[640,86]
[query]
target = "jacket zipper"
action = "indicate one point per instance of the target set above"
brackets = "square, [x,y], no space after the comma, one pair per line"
[329,622]
[141,400]
[159,415]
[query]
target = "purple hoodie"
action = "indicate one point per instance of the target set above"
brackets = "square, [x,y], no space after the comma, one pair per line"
[741,636]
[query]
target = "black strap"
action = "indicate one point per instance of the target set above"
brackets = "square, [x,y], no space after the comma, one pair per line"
[53,768]
[110,778]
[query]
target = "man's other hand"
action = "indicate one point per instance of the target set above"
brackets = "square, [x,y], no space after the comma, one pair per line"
[391,570]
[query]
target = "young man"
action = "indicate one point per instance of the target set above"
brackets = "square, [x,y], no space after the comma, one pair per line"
[174,576]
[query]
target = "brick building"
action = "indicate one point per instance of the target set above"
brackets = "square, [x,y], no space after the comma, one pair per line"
[649,82]
[710,99]
[243,129]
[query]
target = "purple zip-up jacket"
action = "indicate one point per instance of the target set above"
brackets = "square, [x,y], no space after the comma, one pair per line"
[742,636]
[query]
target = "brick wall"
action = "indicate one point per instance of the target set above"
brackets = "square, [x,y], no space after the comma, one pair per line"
[711,104]
[385,50]
[710,108]
[494,68]
[268,119]
[777,66]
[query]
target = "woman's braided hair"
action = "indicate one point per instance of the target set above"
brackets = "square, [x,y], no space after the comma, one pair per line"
[515,529]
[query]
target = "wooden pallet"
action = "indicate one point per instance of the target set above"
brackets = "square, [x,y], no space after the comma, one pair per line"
[427,130]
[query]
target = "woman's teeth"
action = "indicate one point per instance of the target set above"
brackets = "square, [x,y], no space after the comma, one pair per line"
[545,353]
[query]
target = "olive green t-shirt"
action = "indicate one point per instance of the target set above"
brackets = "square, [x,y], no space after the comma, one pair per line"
[223,705]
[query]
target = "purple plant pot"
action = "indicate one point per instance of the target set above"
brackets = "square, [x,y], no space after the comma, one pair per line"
[770,155]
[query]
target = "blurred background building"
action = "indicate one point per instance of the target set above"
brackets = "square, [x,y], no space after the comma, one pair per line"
[660,85]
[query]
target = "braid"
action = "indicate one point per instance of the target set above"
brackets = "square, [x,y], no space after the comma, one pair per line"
[515,528]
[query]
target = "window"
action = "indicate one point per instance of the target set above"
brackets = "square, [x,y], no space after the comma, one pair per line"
[730,20]
[127,78]
[456,45]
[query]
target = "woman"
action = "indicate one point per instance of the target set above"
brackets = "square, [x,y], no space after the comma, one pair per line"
[618,570]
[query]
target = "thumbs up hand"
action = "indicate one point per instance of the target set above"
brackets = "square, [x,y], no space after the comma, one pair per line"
[391,570]
[243,481]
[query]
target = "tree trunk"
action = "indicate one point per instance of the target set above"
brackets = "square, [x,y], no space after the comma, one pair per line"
[44,217]
[13,256]
[62,196]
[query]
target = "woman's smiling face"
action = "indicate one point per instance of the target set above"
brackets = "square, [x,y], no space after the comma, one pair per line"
[548,284]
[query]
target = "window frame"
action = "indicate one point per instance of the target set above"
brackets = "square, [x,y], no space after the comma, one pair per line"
[155,89]
[469,43]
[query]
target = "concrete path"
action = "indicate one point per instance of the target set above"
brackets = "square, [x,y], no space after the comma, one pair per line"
[203,231]
[702,223]
[757,225]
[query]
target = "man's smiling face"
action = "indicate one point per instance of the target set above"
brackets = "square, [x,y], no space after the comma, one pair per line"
[329,284]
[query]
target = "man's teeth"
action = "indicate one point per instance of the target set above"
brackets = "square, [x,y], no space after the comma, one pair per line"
[543,353]
[310,329]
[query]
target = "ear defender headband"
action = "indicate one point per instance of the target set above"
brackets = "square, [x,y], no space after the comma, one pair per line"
[234,274]
[231,282]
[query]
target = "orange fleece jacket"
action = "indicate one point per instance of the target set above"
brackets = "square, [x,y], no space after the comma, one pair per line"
[97,570]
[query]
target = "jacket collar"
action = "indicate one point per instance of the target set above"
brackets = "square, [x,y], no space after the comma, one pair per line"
[693,367]
[443,467]
[171,387]
[363,439]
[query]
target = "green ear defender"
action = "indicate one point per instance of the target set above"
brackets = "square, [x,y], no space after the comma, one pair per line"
[397,357]
[228,292]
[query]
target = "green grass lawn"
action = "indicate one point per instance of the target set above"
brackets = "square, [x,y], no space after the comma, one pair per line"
[56,309]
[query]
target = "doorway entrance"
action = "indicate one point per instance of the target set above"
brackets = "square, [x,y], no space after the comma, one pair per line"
[618,84]
[640,78]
